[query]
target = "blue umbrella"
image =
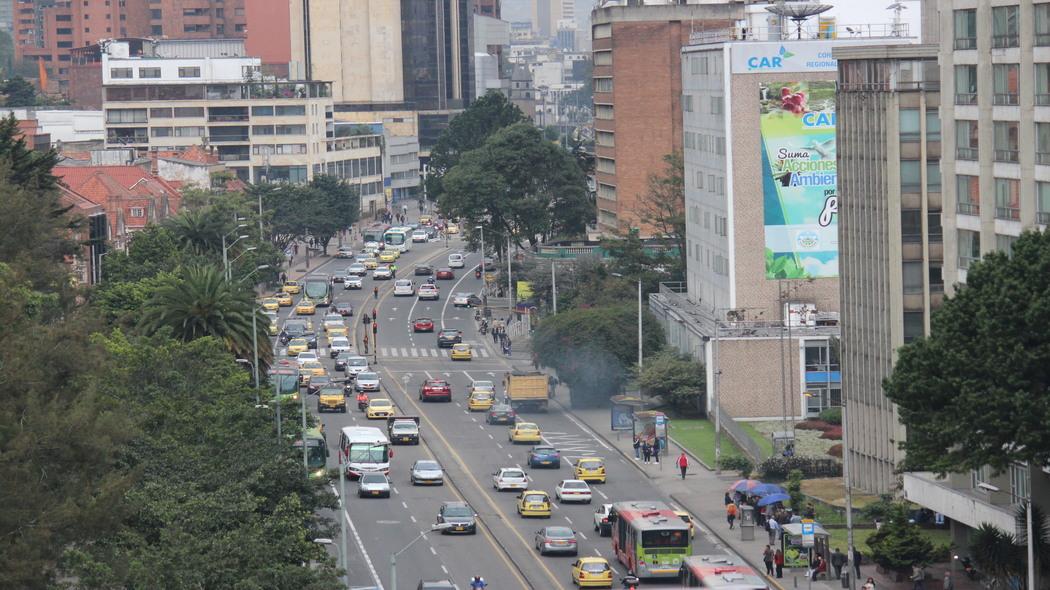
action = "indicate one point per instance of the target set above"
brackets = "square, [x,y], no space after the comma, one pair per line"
[766,489]
[773,499]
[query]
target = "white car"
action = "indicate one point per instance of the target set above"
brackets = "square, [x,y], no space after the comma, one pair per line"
[367,381]
[461,300]
[339,344]
[428,292]
[427,471]
[419,236]
[355,365]
[602,526]
[456,261]
[303,357]
[357,269]
[353,282]
[371,247]
[361,258]
[404,287]
[345,252]
[373,485]
[573,490]
[510,478]
[382,273]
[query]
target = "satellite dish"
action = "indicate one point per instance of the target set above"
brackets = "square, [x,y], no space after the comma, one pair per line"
[799,12]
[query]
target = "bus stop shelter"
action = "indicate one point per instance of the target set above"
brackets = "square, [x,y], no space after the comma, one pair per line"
[801,542]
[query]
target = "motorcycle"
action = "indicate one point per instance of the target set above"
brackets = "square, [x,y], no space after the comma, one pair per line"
[362,404]
[477,273]
[630,582]
[484,328]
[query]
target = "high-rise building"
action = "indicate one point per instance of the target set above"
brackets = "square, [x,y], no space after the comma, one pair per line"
[437,53]
[637,85]
[490,8]
[890,239]
[192,19]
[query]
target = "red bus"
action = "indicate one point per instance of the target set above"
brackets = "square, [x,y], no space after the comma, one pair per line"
[649,539]
[719,572]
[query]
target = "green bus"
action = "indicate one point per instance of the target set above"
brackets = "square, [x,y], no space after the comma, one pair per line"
[285,380]
[318,290]
[316,452]
[649,539]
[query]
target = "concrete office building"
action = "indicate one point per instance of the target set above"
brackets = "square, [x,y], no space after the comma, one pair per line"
[890,237]
[263,130]
[637,84]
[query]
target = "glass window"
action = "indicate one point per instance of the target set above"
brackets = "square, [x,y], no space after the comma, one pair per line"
[914,328]
[1042,84]
[161,113]
[933,125]
[1042,202]
[911,225]
[934,232]
[1042,24]
[189,132]
[1005,244]
[190,72]
[966,29]
[969,247]
[160,131]
[289,110]
[911,176]
[262,111]
[181,112]
[966,139]
[123,73]
[910,125]
[936,278]
[149,72]
[126,115]
[1005,84]
[933,176]
[912,274]
[966,84]
[262,130]
[1007,198]
[967,194]
[1006,142]
[1004,26]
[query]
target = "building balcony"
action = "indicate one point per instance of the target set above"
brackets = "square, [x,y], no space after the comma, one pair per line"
[1005,99]
[1042,217]
[1005,41]
[968,506]
[228,118]
[963,43]
[234,157]
[965,98]
[1008,213]
[966,153]
[1042,158]
[216,138]
[964,208]
[1006,156]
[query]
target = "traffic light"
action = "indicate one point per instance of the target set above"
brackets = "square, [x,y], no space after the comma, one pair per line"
[375,327]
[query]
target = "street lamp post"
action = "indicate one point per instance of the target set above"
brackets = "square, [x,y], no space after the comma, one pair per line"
[482,229]
[343,517]
[99,271]
[510,284]
[226,249]
[229,271]
[554,288]
[393,556]
[616,274]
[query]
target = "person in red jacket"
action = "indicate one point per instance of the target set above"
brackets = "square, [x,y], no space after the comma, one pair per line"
[683,464]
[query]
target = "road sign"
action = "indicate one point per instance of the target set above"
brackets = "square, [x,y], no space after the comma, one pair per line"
[807,534]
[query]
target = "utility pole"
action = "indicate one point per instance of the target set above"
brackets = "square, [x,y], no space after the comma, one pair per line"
[554,288]
[718,406]
[510,288]
[342,517]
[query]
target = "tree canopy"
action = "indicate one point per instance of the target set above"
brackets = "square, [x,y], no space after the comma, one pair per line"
[678,379]
[975,392]
[663,205]
[320,209]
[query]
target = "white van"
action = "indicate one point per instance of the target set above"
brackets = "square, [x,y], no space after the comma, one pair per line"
[404,287]
[455,261]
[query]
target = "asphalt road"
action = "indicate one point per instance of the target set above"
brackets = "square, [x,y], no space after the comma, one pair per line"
[503,551]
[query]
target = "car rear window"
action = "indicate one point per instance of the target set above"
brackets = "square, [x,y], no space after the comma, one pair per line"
[535,498]
[559,532]
[573,485]
[595,568]
[373,479]
[514,474]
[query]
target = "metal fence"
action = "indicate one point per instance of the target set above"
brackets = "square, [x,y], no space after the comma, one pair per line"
[742,439]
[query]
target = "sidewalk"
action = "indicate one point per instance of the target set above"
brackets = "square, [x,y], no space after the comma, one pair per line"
[701,494]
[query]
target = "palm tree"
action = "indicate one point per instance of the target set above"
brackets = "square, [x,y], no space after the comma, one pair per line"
[200,302]
[198,231]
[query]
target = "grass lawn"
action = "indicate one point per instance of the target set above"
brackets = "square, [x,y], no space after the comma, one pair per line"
[762,440]
[938,537]
[698,436]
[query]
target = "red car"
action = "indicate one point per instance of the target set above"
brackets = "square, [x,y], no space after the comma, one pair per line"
[422,325]
[435,390]
[445,274]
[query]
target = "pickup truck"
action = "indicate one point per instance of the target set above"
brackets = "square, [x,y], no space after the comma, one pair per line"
[527,389]
[403,430]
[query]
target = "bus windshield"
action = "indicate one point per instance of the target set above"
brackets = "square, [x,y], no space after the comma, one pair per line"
[287,384]
[316,454]
[368,453]
[317,290]
[665,539]
[394,237]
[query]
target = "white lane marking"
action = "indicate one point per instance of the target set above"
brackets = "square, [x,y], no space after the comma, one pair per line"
[567,519]
[404,352]
[473,419]
[385,351]
[415,351]
[405,506]
[583,536]
[490,436]
[556,507]
[360,545]
[588,431]
[398,494]
[509,455]
[444,569]
[604,497]
[448,298]
[432,550]
[412,517]
[427,373]
[499,445]
[469,377]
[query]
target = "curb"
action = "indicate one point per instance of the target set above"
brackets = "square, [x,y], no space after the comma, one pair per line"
[691,455]
[630,458]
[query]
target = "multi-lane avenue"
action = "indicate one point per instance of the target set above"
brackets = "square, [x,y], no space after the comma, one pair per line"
[468,449]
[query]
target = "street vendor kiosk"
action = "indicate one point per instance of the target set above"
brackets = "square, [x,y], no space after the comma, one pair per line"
[801,542]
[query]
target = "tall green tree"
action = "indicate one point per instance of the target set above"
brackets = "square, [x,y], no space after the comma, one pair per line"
[678,379]
[200,302]
[338,207]
[977,391]
[662,207]
[18,92]
[466,132]
[517,184]
[899,543]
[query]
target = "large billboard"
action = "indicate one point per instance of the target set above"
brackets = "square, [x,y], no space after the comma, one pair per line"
[799,178]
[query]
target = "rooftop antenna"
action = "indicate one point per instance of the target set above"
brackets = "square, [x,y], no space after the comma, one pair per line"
[799,12]
[897,7]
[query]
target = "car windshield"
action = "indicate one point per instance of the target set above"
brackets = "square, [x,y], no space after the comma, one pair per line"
[483,385]
[437,384]
[595,567]
[373,478]
[427,465]
[367,376]
[458,511]
[574,485]
[514,474]
[380,403]
[340,342]
[332,391]
[591,464]
[404,426]
[357,362]
[535,498]
[559,532]
[368,453]
[297,342]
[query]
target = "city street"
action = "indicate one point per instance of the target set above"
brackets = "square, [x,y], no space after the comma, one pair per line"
[503,551]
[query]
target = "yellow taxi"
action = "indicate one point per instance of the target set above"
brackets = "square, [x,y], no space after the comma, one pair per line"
[481,401]
[590,469]
[371,263]
[452,228]
[534,503]
[388,256]
[688,520]
[461,352]
[297,345]
[272,328]
[334,331]
[310,369]
[334,326]
[305,307]
[426,219]
[270,304]
[592,572]
[283,299]
[524,432]
[379,409]
[292,287]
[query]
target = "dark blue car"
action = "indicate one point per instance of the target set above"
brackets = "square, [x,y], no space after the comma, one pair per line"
[541,456]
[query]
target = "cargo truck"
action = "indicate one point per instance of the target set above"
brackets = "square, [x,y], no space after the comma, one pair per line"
[527,389]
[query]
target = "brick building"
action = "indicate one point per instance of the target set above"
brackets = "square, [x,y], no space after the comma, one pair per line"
[637,84]
[48,30]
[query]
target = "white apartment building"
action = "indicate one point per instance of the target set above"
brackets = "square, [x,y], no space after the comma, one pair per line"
[263,130]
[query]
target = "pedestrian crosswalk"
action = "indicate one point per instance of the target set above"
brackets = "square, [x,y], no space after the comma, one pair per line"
[416,352]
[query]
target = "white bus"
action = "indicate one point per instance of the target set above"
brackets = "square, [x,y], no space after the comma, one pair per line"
[398,238]
[364,449]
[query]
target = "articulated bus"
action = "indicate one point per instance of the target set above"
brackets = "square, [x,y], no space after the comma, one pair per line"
[318,290]
[649,538]
[398,238]
[374,232]
[364,449]
[316,452]
[720,573]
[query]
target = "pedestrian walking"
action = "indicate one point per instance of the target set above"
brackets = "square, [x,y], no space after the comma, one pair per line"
[683,464]
[838,559]
[731,515]
[366,342]
[366,319]
[947,583]
[284,278]
[495,334]
[374,314]
[375,292]
[767,558]
[295,248]
[778,561]
[918,577]
[728,499]
[637,447]
[507,344]
[869,585]
[856,563]
[656,450]
[773,528]
[647,452]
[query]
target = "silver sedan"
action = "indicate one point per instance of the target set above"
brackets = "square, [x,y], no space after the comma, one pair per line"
[427,472]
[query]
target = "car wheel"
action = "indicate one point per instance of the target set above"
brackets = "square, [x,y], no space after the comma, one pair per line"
[596,530]
[588,500]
